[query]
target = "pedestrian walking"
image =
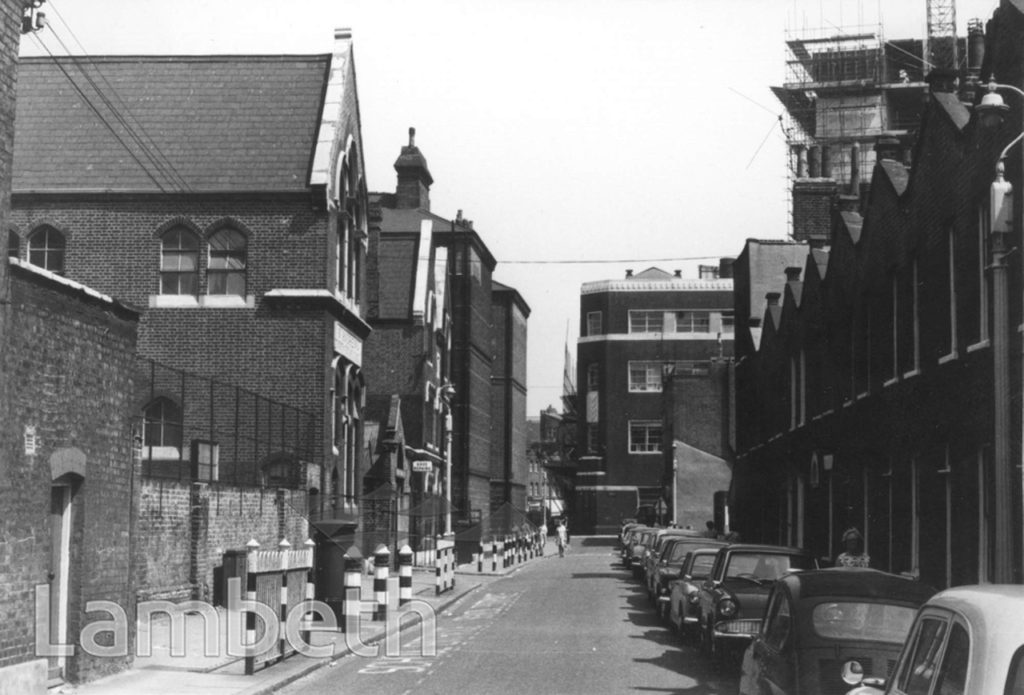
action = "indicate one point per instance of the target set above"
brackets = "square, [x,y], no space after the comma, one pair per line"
[710,530]
[563,537]
[854,555]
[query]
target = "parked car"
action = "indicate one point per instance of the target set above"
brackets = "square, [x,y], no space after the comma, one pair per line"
[733,597]
[656,551]
[819,625]
[669,567]
[633,554]
[969,639]
[627,526]
[683,595]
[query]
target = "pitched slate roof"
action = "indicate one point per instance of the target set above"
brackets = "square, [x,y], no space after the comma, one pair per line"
[225,123]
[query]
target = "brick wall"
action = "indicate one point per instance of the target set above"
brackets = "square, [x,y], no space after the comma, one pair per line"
[67,362]
[279,354]
[185,528]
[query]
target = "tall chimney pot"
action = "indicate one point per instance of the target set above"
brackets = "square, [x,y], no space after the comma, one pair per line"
[814,162]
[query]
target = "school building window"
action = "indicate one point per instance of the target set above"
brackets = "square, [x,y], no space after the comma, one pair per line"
[594,323]
[179,262]
[226,271]
[46,248]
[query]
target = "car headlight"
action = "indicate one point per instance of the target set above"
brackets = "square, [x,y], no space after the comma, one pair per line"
[727,608]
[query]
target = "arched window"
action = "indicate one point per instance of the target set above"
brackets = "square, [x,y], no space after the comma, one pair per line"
[13,244]
[179,262]
[162,423]
[226,271]
[347,402]
[46,249]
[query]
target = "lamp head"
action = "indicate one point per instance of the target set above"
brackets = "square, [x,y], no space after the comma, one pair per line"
[992,108]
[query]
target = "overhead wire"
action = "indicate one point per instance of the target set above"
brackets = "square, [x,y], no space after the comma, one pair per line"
[99,115]
[146,144]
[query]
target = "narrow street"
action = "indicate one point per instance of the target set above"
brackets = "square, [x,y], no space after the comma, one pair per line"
[575,625]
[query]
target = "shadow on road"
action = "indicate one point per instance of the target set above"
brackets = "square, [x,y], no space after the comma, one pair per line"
[598,541]
[697,673]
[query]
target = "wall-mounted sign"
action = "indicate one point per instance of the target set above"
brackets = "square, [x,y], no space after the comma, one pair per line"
[422,466]
[348,345]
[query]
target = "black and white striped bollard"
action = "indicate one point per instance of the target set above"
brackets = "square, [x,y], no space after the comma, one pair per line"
[404,575]
[353,584]
[381,560]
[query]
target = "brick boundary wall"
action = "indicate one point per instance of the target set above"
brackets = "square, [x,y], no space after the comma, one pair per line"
[184,528]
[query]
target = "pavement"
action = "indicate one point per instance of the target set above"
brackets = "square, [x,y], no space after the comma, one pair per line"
[202,670]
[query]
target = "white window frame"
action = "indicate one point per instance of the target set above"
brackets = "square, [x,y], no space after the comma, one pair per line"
[983,335]
[652,377]
[646,447]
[693,314]
[646,314]
[954,351]
[594,321]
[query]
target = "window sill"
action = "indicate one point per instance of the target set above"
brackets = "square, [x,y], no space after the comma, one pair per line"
[890,382]
[912,373]
[949,358]
[210,301]
[161,453]
[980,345]
[228,301]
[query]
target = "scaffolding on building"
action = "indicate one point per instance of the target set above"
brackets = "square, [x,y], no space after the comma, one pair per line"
[844,87]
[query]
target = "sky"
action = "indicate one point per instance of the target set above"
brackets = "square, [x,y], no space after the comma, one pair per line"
[582,137]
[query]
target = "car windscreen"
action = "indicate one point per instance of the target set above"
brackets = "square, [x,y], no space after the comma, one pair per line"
[701,566]
[682,547]
[764,566]
[852,620]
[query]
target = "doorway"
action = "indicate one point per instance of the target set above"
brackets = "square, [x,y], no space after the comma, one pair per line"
[59,573]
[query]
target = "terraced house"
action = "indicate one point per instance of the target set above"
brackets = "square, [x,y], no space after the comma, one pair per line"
[879,382]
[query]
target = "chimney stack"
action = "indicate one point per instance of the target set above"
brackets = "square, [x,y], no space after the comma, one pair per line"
[414,179]
[814,162]
[677,273]
[773,298]
[975,57]
[629,272]
[793,274]
[889,147]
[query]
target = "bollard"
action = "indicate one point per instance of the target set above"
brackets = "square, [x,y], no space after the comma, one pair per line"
[310,544]
[252,547]
[494,555]
[381,562]
[404,575]
[353,581]
[480,557]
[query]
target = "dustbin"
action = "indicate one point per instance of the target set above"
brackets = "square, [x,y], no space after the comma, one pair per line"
[333,539]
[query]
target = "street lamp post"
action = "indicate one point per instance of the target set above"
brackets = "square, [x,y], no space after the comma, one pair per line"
[992,109]
[447,391]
